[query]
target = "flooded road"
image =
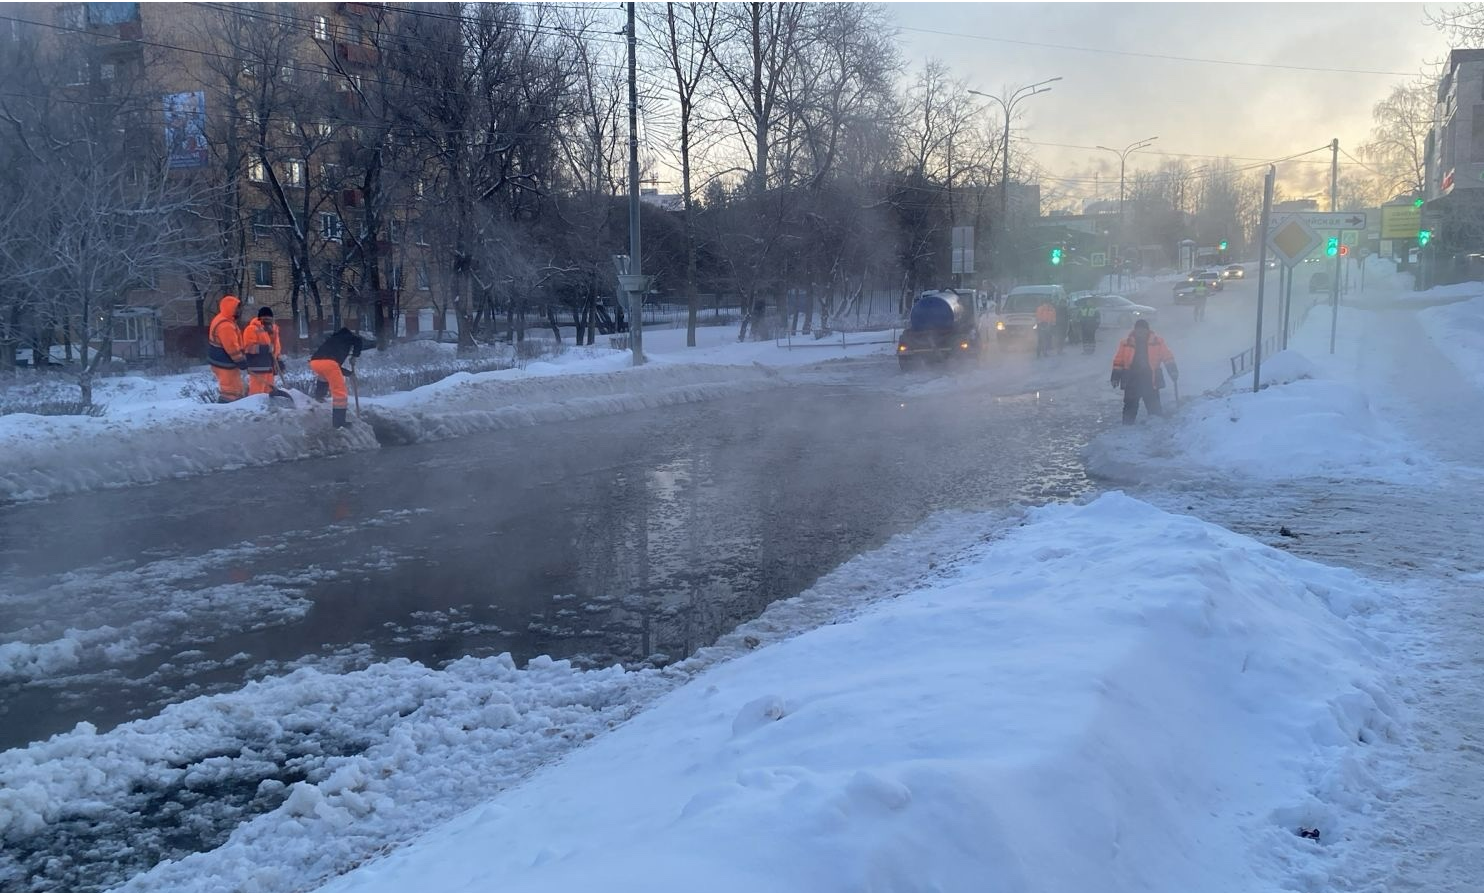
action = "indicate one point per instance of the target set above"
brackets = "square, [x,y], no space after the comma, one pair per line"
[624,538]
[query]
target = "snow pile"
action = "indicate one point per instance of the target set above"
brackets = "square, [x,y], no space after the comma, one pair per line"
[44,456]
[156,429]
[1112,698]
[1458,331]
[1298,426]
[468,404]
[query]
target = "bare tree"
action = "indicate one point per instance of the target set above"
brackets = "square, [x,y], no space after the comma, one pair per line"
[1398,144]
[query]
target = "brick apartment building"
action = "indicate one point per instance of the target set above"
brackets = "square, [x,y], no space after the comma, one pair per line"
[274,107]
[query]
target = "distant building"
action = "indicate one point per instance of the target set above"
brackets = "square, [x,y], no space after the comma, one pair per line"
[1454,174]
[1024,201]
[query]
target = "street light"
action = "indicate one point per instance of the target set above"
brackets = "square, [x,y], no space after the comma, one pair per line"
[1123,154]
[1009,106]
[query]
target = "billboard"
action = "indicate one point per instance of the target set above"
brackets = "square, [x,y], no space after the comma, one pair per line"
[185,130]
[1400,221]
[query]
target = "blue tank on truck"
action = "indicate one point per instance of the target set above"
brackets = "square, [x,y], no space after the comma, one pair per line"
[943,325]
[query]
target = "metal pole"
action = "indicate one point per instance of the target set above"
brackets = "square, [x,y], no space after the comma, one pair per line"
[1005,192]
[1287,303]
[1334,285]
[636,265]
[1262,263]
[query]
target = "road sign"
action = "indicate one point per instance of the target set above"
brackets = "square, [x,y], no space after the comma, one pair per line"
[1292,240]
[1099,259]
[963,249]
[1400,221]
[1329,220]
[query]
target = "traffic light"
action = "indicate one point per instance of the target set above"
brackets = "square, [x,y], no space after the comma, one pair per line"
[1417,203]
[1344,251]
[1223,244]
[1423,237]
[1332,247]
[1056,257]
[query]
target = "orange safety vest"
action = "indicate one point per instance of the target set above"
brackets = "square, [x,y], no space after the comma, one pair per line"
[261,345]
[1159,354]
[223,338]
[1046,313]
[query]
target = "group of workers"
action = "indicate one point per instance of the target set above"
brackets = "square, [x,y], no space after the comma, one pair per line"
[255,349]
[1060,322]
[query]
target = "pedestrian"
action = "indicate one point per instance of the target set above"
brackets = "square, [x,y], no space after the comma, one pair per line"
[1138,367]
[1089,319]
[328,363]
[264,352]
[1200,302]
[224,350]
[1045,328]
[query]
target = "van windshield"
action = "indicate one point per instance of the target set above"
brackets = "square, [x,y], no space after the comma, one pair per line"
[1024,302]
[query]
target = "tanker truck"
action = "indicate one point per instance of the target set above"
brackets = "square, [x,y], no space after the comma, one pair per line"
[943,325]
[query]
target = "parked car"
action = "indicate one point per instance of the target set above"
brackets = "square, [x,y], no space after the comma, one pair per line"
[1119,312]
[1211,278]
[1233,271]
[1190,292]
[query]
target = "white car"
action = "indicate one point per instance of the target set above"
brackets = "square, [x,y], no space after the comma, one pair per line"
[1119,312]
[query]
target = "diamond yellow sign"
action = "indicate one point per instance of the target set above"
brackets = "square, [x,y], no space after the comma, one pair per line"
[1292,240]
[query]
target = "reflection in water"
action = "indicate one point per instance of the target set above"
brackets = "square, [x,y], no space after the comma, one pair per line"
[650,542]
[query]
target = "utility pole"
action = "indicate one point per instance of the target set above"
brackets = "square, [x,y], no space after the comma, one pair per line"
[1262,263]
[1123,154]
[1334,279]
[1009,107]
[636,265]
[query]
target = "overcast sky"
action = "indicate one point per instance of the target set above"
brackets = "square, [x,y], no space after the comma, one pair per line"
[1193,107]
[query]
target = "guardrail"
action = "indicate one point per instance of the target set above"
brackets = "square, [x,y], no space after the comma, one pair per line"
[1243,361]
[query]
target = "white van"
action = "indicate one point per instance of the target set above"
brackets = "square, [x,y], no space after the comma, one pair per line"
[1017,316]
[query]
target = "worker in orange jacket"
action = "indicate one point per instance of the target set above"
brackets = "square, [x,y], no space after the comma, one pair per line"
[328,363]
[264,352]
[224,350]
[1138,368]
[1045,328]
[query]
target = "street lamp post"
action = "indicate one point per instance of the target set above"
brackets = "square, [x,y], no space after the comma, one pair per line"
[1123,154]
[1008,105]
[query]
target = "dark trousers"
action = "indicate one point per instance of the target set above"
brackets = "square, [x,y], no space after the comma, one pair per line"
[1133,392]
[1089,336]
[1044,337]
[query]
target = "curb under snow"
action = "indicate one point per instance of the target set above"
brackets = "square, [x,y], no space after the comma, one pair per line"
[69,455]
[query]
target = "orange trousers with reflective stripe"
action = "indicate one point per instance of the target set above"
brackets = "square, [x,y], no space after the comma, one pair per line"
[329,370]
[259,383]
[229,382]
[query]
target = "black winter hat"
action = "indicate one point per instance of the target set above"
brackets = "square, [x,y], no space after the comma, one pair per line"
[265,311]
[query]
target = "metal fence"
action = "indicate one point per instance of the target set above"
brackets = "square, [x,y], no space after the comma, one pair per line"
[1243,361]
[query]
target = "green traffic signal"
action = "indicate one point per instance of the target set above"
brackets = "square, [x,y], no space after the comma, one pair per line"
[1423,237]
[1055,257]
[1417,203]
[1223,244]
[1332,247]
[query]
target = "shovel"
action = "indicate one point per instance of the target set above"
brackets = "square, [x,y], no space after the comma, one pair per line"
[355,388]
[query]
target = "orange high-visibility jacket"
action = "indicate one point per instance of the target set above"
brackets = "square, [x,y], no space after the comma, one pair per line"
[261,345]
[1046,313]
[223,338]
[1159,354]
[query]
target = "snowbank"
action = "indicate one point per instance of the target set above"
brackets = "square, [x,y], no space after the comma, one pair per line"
[156,429]
[1111,698]
[1299,425]
[1458,331]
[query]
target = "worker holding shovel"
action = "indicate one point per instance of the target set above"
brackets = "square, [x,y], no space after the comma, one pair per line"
[264,354]
[328,363]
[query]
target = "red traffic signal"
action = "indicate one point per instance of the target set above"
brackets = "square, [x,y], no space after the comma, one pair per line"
[1344,250]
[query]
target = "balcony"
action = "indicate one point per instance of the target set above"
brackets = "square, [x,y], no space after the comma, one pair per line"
[356,54]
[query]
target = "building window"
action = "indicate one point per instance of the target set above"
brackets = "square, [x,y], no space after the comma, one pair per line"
[291,128]
[394,278]
[256,172]
[329,175]
[324,74]
[322,129]
[331,227]
[293,173]
[422,277]
[419,233]
[286,74]
[262,273]
[107,71]
[354,34]
[321,28]
[70,16]
[262,224]
[394,231]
